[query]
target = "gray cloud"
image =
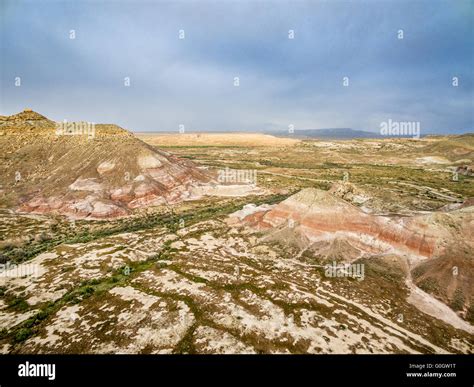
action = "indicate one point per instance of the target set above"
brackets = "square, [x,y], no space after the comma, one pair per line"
[282,81]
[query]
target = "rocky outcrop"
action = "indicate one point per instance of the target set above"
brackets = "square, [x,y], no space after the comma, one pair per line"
[466,170]
[349,192]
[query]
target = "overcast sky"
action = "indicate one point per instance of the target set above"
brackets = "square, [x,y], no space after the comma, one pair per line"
[283,81]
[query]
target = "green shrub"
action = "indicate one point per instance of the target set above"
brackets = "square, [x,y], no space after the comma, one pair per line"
[22,335]
[457,303]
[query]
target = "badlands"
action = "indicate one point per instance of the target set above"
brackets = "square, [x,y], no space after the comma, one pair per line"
[111,245]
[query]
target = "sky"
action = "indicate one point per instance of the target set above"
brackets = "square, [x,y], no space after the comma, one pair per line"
[346,65]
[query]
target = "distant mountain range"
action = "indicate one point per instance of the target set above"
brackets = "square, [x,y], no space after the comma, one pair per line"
[345,133]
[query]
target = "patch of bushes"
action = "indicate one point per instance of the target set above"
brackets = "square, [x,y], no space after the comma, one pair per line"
[429,285]
[22,335]
[18,304]
[457,303]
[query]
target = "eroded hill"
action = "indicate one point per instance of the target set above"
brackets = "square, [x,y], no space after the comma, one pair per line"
[104,175]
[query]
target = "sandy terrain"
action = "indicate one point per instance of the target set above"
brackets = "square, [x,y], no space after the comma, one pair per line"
[215,139]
